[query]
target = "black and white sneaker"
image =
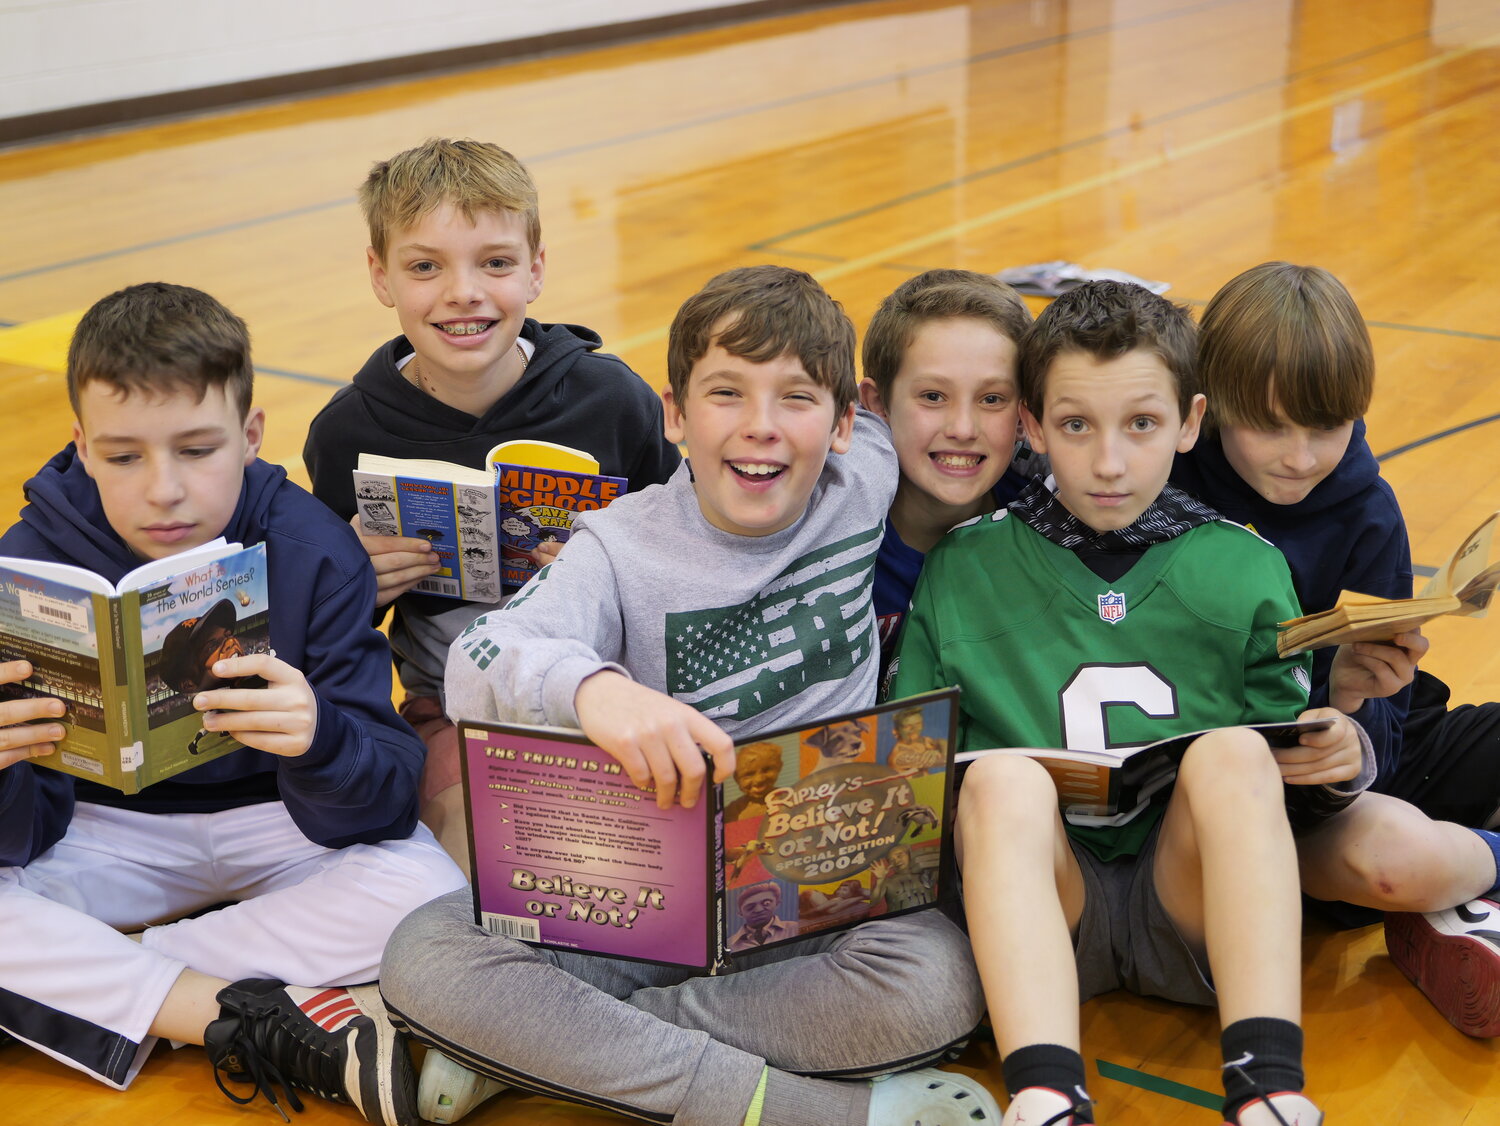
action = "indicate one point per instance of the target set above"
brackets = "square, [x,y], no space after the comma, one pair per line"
[336,1043]
[1453,956]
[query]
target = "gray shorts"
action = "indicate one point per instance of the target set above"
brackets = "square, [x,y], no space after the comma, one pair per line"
[1125,938]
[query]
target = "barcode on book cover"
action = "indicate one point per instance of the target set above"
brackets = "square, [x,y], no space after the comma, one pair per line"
[449,587]
[71,616]
[513,926]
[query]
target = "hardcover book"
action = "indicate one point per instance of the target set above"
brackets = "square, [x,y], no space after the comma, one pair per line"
[824,825]
[483,523]
[128,658]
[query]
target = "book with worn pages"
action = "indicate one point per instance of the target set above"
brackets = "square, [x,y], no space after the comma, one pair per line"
[823,825]
[127,658]
[1113,786]
[1463,587]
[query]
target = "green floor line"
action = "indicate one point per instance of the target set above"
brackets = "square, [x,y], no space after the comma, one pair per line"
[1158,1085]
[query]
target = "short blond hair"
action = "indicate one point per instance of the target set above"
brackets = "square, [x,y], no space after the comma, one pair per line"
[472,176]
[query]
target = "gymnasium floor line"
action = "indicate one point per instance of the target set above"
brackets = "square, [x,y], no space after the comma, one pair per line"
[1157,1085]
[610,142]
[1080,143]
[1152,163]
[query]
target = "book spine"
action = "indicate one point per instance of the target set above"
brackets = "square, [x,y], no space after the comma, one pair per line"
[114,681]
[719,923]
[125,620]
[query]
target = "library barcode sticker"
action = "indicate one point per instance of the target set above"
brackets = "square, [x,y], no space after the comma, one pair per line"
[59,612]
[512,926]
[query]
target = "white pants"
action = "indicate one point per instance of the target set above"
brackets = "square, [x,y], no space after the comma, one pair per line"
[75,987]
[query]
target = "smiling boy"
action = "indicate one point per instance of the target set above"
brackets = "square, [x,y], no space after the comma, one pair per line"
[308,832]
[733,599]
[940,368]
[456,250]
[1110,610]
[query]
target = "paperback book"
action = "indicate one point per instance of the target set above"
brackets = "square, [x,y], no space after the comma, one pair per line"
[127,658]
[1113,786]
[483,523]
[1463,587]
[824,825]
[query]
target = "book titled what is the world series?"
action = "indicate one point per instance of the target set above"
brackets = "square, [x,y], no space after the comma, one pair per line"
[127,658]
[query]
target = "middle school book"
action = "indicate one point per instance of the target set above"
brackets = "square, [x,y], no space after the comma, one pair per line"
[824,825]
[483,523]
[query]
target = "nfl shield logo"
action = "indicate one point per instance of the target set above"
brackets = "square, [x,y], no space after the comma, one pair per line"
[1112,607]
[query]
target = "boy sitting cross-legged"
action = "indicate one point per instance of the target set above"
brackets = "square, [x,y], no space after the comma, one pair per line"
[1115,611]
[310,832]
[733,599]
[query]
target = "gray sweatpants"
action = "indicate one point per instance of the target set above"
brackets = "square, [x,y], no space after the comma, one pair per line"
[664,1044]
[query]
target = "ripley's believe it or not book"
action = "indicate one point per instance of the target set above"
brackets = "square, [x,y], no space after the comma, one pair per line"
[128,658]
[824,825]
[483,523]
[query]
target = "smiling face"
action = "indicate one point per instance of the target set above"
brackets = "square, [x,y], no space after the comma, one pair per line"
[460,290]
[1111,429]
[757,437]
[1286,462]
[953,413]
[168,467]
[756,769]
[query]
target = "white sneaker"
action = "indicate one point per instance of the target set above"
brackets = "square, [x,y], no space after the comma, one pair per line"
[447,1091]
[1284,1109]
[1040,1106]
[931,1097]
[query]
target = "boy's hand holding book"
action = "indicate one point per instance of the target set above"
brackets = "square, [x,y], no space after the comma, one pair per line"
[21,736]
[659,741]
[1371,670]
[1323,757]
[400,562]
[280,718]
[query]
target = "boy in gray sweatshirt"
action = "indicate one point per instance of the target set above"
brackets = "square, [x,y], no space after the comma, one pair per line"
[733,599]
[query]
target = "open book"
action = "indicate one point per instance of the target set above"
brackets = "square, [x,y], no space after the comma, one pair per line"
[825,824]
[1111,787]
[127,658]
[1463,586]
[483,523]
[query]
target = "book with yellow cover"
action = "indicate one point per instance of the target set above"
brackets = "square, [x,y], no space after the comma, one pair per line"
[483,522]
[1463,587]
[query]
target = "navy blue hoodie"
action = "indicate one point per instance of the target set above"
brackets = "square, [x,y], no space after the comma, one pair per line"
[1347,534]
[358,780]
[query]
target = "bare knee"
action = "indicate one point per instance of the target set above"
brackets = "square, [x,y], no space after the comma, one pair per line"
[1007,789]
[1233,764]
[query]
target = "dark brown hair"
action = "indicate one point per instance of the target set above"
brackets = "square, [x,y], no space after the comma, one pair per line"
[931,296]
[157,337]
[760,313]
[1286,333]
[1105,320]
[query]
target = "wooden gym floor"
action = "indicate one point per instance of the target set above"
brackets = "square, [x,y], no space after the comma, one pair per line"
[1181,140]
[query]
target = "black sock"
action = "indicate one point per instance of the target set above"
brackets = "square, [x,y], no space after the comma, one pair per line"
[1262,1055]
[1048,1065]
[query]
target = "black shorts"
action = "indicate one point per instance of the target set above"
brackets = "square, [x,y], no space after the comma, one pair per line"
[1450,757]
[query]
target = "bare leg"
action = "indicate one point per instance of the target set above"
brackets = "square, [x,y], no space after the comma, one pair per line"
[1384,853]
[1023,893]
[190,1005]
[1226,873]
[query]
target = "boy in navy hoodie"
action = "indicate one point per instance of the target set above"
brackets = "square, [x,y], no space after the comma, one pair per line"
[309,833]
[456,250]
[1287,365]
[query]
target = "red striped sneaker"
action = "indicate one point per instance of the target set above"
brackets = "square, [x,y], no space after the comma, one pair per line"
[1453,956]
[336,1043]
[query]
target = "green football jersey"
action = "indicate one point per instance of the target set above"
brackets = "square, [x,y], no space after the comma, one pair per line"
[1048,654]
